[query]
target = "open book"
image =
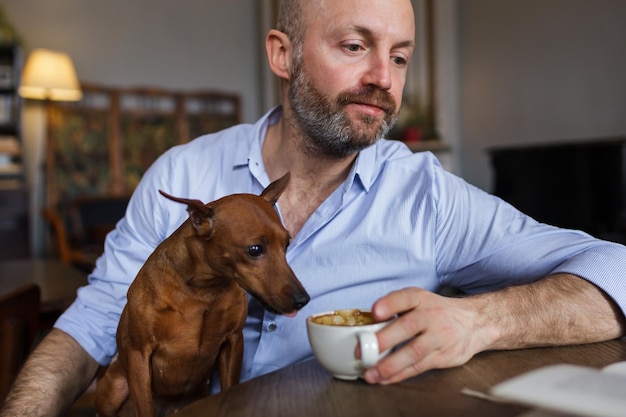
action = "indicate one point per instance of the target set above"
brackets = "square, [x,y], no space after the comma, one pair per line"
[573,389]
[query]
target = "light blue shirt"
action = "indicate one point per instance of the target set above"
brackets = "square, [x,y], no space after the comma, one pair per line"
[398,220]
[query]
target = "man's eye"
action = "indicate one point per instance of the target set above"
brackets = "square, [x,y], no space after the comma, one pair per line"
[399,61]
[255,251]
[353,47]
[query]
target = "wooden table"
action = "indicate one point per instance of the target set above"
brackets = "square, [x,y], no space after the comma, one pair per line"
[307,390]
[57,281]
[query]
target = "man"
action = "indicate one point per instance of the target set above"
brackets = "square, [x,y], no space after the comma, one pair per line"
[372,224]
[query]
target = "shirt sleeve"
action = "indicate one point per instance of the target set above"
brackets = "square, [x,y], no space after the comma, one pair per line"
[484,243]
[93,317]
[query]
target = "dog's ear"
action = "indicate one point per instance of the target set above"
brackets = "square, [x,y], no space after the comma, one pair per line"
[202,219]
[181,200]
[200,214]
[275,189]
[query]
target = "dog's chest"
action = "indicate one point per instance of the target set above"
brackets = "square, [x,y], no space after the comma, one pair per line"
[196,322]
[188,346]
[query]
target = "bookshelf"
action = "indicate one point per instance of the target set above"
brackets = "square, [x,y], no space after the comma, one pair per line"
[14,231]
[11,169]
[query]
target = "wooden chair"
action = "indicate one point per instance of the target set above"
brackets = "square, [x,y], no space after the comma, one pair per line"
[19,326]
[79,229]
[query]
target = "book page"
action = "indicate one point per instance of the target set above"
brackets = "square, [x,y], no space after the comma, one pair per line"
[569,388]
[616,368]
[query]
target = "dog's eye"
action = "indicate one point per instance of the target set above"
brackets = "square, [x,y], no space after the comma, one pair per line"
[255,251]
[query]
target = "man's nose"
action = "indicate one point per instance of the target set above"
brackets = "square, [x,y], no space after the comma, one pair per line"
[378,72]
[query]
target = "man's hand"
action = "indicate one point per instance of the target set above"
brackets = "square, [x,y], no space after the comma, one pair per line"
[434,331]
[440,333]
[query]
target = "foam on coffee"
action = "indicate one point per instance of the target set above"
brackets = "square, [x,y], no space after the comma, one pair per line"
[353,317]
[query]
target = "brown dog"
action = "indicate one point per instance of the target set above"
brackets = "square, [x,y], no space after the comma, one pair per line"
[187,307]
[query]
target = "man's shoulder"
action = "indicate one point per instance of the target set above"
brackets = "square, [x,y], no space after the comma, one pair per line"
[391,161]
[392,147]
[237,135]
[394,153]
[233,143]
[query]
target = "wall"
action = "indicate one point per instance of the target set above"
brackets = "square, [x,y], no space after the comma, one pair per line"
[538,70]
[183,44]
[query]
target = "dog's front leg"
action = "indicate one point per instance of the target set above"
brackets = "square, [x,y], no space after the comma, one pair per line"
[140,382]
[111,391]
[229,362]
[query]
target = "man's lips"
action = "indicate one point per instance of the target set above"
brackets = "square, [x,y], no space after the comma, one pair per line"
[370,109]
[370,101]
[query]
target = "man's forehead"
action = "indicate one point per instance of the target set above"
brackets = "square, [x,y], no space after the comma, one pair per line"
[371,15]
[354,7]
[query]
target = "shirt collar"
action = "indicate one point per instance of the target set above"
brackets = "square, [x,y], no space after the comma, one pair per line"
[364,168]
[252,153]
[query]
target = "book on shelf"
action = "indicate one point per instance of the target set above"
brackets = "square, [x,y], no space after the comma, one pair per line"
[10,158]
[6,76]
[6,109]
[10,168]
[11,184]
[9,145]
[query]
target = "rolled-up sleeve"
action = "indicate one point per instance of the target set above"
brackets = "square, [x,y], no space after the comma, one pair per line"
[93,317]
[604,265]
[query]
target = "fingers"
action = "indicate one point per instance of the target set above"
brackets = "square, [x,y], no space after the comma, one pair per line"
[396,302]
[408,360]
[422,353]
[432,331]
[404,304]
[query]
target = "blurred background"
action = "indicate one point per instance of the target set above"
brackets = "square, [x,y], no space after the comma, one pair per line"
[487,73]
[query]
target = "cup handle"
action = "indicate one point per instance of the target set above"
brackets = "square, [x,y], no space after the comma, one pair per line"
[369,348]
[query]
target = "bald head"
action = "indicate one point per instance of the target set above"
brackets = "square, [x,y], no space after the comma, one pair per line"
[291,19]
[293,15]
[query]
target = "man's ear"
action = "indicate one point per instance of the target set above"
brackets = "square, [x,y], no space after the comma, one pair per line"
[279,53]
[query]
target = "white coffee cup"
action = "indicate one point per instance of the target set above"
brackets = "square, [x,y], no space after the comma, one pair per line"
[334,336]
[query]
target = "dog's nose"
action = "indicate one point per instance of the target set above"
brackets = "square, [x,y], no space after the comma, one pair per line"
[300,300]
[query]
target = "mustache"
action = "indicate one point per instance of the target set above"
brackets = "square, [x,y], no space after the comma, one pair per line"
[371,95]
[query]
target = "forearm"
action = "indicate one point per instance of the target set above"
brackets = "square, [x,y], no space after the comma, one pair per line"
[559,310]
[56,372]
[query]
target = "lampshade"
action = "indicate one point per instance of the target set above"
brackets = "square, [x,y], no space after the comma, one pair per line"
[49,75]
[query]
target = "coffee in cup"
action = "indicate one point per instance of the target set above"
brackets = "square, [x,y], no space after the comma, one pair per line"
[352,317]
[334,336]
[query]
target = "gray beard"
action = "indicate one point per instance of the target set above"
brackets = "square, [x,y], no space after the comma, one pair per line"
[327,130]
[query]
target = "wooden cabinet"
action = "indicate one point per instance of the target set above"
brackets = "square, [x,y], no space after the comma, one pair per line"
[14,232]
[99,147]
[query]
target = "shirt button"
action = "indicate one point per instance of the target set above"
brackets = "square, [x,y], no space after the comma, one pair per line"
[272,327]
